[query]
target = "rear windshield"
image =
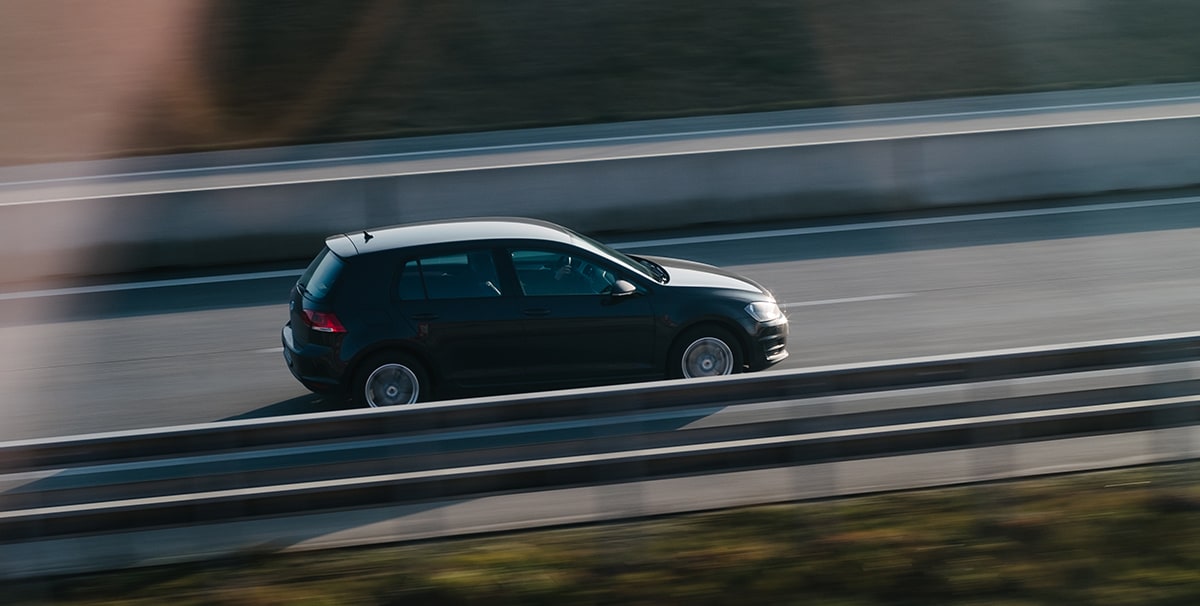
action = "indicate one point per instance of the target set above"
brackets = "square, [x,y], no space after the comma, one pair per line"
[318,279]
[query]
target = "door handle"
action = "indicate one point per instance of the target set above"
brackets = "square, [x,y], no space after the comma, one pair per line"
[536,312]
[424,317]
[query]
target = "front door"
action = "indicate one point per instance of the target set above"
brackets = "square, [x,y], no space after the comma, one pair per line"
[575,331]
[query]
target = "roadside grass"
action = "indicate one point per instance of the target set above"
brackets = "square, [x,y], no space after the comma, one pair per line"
[283,73]
[1115,537]
[491,64]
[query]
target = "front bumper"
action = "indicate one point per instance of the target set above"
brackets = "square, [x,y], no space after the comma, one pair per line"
[770,344]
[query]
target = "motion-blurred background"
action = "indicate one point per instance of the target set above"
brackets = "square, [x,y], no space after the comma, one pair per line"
[85,79]
[143,279]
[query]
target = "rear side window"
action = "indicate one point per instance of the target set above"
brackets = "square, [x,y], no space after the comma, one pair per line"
[465,275]
[318,280]
[411,287]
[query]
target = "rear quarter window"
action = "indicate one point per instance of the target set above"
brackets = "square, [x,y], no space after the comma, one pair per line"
[322,274]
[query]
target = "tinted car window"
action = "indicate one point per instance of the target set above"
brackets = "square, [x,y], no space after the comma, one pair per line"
[620,257]
[318,280]
[456,276]
[543,272]
[411,288]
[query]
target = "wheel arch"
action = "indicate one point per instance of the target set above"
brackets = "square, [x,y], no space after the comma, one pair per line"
[725,324]
[378,349]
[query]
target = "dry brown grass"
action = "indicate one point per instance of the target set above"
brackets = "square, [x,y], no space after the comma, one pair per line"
[1123,537]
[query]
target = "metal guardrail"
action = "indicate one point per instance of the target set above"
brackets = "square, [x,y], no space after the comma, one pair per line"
[598,468]
[241,470]
[363,424]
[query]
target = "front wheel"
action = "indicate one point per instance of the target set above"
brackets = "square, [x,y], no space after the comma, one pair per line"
[389,380]
[705,352]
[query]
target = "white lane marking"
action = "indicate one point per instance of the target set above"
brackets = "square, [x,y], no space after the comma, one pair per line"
[777,233]
[899,295]
[269,350]
[636,138]
[84,290]
[845,227]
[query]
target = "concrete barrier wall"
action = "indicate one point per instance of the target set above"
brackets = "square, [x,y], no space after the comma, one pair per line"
[250,224]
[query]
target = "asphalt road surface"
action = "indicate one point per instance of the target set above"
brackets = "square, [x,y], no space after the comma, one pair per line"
[129,354]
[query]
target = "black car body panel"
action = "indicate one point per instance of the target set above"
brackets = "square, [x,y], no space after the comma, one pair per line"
[502,305]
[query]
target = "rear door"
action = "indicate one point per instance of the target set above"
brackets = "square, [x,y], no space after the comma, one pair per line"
[461,315]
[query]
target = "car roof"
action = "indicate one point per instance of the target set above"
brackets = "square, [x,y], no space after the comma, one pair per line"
[446,231]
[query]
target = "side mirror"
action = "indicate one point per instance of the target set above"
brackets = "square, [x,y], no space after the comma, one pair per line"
[621,288]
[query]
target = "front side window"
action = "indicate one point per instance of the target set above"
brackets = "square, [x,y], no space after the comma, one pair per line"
[547,272]
[465,275]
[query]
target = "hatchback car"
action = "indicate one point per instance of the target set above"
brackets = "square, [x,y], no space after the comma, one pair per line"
[483,306]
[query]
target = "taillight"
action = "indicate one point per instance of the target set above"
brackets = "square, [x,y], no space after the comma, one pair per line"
[322,321]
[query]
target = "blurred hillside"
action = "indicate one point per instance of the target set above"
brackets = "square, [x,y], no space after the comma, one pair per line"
[86,79]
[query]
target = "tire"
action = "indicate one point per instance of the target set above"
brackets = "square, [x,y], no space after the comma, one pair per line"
[389,380]
[707,351]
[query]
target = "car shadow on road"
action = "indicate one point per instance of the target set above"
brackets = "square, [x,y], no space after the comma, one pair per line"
[299,405]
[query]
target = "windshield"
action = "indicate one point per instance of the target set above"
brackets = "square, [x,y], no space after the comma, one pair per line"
[645,268]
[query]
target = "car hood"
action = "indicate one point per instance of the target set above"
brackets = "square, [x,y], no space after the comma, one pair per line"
[692,274]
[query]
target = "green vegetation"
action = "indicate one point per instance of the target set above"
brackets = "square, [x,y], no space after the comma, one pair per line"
[1119,537]
[277,72]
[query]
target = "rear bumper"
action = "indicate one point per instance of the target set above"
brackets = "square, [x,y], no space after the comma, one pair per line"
[310,364]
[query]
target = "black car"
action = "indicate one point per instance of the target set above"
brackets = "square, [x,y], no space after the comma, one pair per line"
[482,306]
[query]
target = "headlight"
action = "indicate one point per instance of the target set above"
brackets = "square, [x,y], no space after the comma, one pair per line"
[764,311]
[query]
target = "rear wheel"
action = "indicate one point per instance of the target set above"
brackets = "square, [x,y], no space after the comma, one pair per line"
[389,380]
[707,351]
